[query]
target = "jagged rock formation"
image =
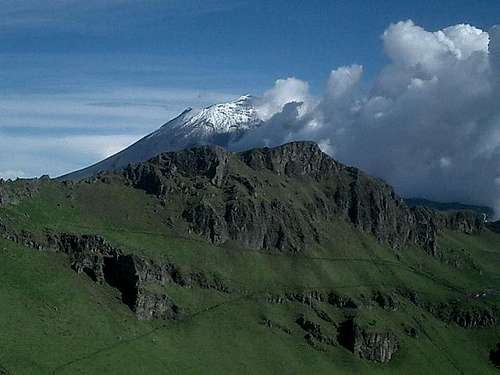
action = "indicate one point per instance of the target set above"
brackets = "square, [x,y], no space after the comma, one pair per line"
[430,222]
[132,275]
[373,346]
[313,297]
[465,313]
[152,306]
[385,301]
[307,298]
[341,301]
[273,199]
[21,237]
[313,331]
[14,191]
[105,264]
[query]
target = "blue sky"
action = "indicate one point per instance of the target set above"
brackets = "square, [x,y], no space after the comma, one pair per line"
[81,79]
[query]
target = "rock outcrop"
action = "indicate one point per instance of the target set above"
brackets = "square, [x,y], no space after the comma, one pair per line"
[366,344]
[466,313]
[385,301]
[155,306]
[106,264]
[306,297]
[137,278]
[341,301]
[273,199]
[314,335]
[11,192]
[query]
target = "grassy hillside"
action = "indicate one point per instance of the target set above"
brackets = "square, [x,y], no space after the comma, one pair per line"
[55,321]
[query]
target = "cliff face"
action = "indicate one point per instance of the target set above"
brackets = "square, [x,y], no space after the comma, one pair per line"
[373,346]
[274,199]
[11,192]
[138,279]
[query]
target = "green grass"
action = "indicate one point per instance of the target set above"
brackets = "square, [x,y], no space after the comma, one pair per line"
[53,320]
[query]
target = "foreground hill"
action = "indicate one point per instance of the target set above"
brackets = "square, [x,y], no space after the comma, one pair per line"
[267,261]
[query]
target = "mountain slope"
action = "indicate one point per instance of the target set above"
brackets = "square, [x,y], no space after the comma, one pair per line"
[218,124]
[267,261]
[449,206]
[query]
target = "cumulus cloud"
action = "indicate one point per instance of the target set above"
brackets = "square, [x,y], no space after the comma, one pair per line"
[284,91]
[429,123]
[495,50]
[410,45]
[344,80]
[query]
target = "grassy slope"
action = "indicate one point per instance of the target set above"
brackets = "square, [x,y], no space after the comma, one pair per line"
[55,320]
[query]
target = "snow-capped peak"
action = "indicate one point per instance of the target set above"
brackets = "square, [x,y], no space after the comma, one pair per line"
[218,124]
[236,115]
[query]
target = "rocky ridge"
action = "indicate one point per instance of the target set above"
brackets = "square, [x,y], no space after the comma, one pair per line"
[226,196]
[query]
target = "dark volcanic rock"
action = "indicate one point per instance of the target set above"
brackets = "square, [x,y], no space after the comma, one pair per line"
[11,192]
[132,275]
[341,301]
[314,332]
[306,297]
[152,306]
[465,313]
[253,198]
[373,346]
[385,301]
[296,159]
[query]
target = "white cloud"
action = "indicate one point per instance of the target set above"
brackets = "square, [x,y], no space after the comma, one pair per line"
[429,124]
[284,91]
[410,45]
[495,50]
[344,80]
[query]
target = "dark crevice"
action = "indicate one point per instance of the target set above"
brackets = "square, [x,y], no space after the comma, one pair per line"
[120,273]
[495,356]
[346,334]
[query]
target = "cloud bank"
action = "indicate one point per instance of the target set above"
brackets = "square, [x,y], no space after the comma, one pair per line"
[429,123]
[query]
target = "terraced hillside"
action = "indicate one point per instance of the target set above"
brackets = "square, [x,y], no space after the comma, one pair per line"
[268,261]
